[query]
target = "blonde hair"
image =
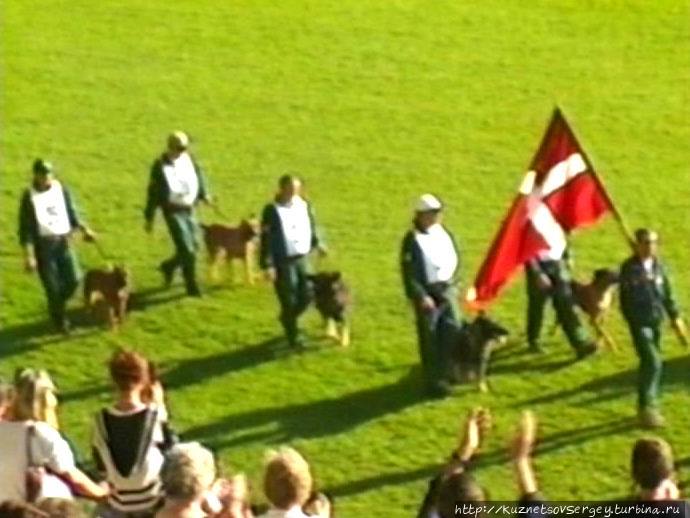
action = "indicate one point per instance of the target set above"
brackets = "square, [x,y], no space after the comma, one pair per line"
[6,396]
[34,397]
[287,479]
[189,470]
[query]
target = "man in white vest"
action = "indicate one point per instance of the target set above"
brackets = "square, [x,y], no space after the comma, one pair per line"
[288,235]
[429,263]
[47,219]
[176,184]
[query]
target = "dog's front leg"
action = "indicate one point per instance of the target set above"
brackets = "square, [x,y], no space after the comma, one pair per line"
[112,315]
[213,258]
[483,367]
[345,333]
[249,264]
[602,334]
[122,306]
[332,329]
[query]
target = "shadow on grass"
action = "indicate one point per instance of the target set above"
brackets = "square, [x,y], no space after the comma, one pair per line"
[528,365]
[30,336]
[550,443]
[85,393]
[141,300]
[617,385]
[308,420]
[197,370]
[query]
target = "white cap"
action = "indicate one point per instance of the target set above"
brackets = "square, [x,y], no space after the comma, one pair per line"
[178,139]
[428,202]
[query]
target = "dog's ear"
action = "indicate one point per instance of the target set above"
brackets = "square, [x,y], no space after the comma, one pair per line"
[336,276]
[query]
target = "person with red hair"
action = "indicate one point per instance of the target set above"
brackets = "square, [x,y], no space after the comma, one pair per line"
[129,438]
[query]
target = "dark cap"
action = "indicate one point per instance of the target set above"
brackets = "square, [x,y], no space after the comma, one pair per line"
[42,166]
[645,235]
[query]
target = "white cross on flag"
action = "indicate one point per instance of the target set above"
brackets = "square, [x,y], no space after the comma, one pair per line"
[560,192]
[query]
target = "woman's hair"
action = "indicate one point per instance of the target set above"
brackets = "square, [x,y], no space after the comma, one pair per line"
[34,397]
[287,479]
[651,462]
[189,470]
[458,488]
[129,369]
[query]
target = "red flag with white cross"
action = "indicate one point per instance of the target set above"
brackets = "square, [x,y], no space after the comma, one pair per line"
[559,193]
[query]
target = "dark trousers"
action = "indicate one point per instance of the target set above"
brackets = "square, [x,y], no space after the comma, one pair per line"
[182,227]
[294,292]
[647,342]
[437,334]
[561,296]
[59,274]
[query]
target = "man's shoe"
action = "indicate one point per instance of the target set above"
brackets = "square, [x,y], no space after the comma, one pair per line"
[194,292]
[535,348]
[64,326]
[651,418]
[299,344]
[440,389]
[587,350]
[167,272]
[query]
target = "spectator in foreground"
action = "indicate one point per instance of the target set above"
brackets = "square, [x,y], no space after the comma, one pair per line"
[288,486]
[60,508]
[6,394]
[456,486]
[653,471]
[129,438]
[191,488]
[28,440]
[47,508]
[455,483]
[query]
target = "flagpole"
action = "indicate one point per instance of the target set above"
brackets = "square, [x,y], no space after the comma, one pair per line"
[622,224]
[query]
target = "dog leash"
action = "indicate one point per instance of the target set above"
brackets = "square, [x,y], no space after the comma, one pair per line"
[100,250]
[218,212]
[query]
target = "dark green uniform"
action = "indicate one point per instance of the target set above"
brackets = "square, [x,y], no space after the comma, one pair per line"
[292,286]
[437,330]
[180,220]
[645,296]
[56,262]
[561,296]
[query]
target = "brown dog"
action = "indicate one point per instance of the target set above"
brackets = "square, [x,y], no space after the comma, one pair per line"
[112,288]
[333,300]
[232,243]
[595,298]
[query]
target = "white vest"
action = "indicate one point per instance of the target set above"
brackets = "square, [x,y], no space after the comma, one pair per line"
[141,489]
[51,211]
[183,182]
[296,225]
[438,252]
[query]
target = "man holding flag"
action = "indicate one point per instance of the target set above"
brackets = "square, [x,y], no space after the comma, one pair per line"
[559,193]
[548,276]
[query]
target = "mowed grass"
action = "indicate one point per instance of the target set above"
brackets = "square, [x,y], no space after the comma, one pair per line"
[372,103]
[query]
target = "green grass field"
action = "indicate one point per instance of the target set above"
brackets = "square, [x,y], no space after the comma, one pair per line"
[372,102]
